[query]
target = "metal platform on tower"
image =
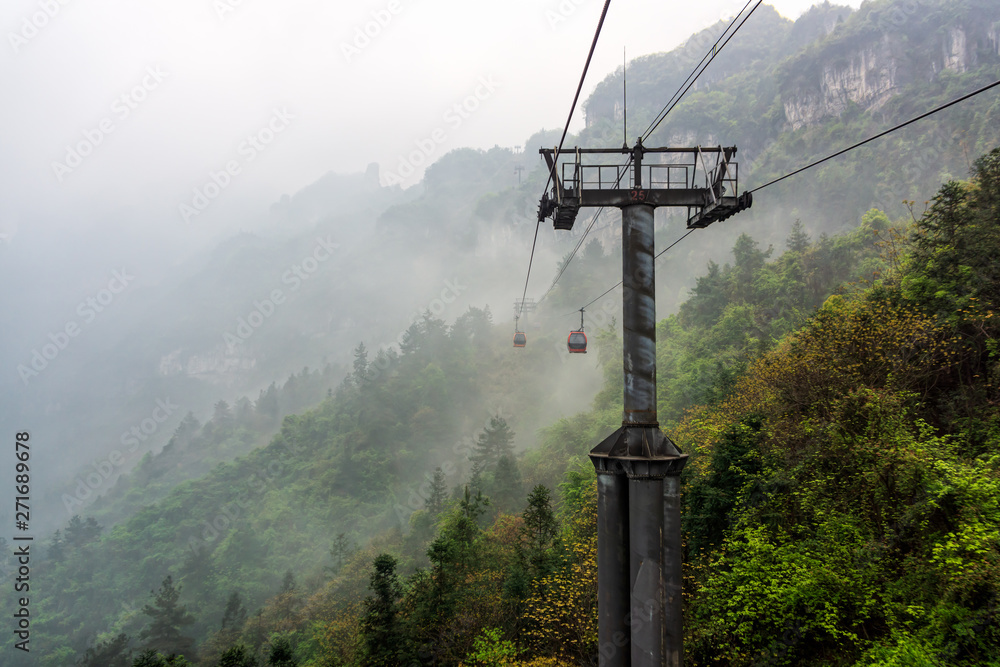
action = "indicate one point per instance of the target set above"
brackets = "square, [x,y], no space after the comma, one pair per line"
[705,179]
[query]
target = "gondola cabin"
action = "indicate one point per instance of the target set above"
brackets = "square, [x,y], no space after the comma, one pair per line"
[520,340]
[577,342]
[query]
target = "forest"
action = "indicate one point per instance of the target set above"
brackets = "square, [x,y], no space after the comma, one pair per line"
[831,364]
[841,505]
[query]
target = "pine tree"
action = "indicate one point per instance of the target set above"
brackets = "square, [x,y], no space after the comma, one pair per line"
[234,617]
[110,653]
[438,493]
[506,489]
[360,374]
[237,656]
[496,440]
[267,403]
[188,427]
[80,532]
[340,551]
[56,551]
[167,616]
[222,419]
[798,240]
[244,411]
[235,614]
[151,658]
[381,635]
[281,654]
[539,530]
[288,582]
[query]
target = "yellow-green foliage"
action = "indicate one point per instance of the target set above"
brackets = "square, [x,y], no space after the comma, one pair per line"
[865,524]
[560,618]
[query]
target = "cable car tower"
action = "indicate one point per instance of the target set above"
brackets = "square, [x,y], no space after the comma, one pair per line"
[638,467]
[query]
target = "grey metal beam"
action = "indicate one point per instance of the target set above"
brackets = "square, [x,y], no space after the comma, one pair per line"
[673,559]
[645,149]
[613,599]
[639,314]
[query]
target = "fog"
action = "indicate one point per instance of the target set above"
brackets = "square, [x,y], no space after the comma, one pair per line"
[141,140]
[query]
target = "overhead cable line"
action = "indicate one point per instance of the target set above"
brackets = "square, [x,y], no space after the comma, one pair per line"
[655,257]
[576,98]
[833,155]
[880,134]
[667,108]
[695,73]
[565,265]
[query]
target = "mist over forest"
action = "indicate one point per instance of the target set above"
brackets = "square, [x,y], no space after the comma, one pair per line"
[277,419]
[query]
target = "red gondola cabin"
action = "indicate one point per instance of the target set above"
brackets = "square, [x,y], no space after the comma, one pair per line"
[520,340]
[577,342]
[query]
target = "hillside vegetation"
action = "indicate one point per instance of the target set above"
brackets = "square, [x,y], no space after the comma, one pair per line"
[831,366]
[841,505]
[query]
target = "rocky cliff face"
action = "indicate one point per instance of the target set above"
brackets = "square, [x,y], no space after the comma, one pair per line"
[869,69]
[217,366]
[868,77]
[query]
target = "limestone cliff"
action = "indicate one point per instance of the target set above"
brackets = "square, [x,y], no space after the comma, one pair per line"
[882,49]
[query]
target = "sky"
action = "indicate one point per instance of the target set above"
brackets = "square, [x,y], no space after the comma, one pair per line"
[170,123]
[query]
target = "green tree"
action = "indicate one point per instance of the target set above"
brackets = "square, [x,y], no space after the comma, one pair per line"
[112,652]
[360,374]
[288,582]
[167,616]
[381,635]
[281,653]
[340,551]
[953,266]
[490,649]
[79,532]
[506,489]
[56,551]
[150,658]
[237,656]
[798,240]
[235,614]
[222,417]
[539,530]
[712,499]
[438,493]
[496,440]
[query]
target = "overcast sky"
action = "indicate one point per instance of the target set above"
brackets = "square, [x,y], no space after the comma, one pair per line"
[117,111]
